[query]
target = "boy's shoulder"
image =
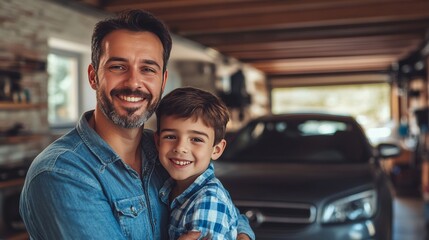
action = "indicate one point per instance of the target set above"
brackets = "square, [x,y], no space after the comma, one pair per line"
[214,188]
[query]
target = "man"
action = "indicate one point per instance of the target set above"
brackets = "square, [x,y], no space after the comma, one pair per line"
[100,181]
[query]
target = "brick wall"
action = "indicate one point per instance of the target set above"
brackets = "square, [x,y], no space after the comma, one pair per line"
[25,27]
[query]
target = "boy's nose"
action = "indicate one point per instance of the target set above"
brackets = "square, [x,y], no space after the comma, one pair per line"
[179,149]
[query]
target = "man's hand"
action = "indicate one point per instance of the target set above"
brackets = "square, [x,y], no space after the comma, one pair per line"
[242,236]
[192,235]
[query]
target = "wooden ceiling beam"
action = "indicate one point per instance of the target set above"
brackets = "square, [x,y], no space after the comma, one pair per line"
[369,13]
[407,27]
[333,79]
[170,6]
[250,57]
[171,10]
[386,40]
[175,10]
[335,64]
[296,37]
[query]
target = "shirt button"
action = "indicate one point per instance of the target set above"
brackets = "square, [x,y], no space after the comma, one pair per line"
[133,210]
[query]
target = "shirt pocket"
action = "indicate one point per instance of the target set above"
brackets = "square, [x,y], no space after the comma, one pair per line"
[133,217]
[130,207]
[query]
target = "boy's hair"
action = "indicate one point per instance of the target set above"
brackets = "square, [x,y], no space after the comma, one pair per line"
[189,102]
[132,20]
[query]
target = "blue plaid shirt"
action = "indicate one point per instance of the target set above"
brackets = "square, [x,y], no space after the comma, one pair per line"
[204,206]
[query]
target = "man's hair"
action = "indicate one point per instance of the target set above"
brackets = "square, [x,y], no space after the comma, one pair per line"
[132,20]
[189,102]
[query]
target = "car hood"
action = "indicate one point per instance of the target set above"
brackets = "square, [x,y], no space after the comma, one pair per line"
[294,182]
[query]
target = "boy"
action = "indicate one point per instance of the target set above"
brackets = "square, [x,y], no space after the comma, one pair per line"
[191,125]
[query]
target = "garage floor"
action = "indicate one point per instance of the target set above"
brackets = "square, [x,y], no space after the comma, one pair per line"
[409,221]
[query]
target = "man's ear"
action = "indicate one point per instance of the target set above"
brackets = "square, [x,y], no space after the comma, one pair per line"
[218,149]
[156,139]
[92,77]
[164,80]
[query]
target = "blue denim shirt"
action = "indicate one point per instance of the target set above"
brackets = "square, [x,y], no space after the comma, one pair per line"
[79,188]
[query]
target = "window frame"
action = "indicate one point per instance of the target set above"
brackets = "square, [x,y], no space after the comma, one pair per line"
[78,57]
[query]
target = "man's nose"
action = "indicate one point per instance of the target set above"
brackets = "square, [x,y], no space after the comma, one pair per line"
[135,80]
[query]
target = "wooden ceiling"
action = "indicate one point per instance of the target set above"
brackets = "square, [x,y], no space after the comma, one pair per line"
[286,38]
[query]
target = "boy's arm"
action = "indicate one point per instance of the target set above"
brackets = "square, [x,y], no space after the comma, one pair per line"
[213,218]
[196,235]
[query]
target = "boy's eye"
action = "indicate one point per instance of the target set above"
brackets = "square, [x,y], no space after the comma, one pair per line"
[197,140]
[169,137]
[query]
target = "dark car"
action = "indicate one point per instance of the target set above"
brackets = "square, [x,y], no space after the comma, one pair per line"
[309,176]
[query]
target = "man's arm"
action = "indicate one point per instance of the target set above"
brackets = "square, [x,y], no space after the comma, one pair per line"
[245,232]
[57,205]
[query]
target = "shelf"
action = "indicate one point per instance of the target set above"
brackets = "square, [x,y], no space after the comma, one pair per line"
[17,236]
[20,138]
[20,106]
[12,183]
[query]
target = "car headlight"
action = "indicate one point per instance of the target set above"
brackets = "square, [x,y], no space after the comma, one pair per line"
[355,207]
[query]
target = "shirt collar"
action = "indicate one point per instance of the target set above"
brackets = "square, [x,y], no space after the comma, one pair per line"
[104,152]
[196,186]
[94,142]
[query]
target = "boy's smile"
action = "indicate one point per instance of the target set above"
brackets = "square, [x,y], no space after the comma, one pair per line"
[186,147]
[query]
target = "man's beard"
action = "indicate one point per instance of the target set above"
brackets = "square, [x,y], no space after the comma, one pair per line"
[130,120]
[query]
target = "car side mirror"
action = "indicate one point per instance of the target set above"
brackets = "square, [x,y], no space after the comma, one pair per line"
[388,150]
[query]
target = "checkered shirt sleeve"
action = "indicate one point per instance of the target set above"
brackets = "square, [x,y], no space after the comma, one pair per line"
[213,217]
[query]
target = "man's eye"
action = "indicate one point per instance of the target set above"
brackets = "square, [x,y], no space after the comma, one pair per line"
[148,70]
[117,68]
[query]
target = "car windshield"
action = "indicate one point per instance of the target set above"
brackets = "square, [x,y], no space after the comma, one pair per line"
[302,141]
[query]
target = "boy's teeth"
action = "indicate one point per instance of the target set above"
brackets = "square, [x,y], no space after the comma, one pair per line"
[181,163]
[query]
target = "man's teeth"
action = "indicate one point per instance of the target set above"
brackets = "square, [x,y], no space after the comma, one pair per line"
[181,163]
[131,99]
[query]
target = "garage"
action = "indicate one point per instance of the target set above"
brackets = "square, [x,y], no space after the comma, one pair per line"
[367,59]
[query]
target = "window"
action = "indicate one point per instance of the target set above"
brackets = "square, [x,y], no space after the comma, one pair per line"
[368,103]
[313,127]
[63,101]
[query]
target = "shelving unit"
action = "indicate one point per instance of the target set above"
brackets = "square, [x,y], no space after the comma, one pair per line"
[23,78]
[18,236]
[7,185]
[11,106]
[11,183]
[5,140]
[20,106]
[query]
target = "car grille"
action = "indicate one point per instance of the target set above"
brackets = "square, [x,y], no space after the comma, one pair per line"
[277,216]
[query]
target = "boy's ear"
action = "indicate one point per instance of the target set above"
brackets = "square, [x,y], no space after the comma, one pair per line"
[218,149]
